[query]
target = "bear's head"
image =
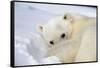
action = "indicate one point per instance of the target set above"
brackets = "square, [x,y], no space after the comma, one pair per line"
[57,29]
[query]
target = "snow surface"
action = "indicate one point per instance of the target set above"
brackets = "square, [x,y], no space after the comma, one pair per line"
[29,52]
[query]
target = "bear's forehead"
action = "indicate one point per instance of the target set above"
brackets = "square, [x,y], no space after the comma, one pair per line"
[55,23]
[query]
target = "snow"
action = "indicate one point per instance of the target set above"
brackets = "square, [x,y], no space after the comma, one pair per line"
[29,52]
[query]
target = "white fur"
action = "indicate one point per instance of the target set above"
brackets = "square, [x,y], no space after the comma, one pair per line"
[72,47]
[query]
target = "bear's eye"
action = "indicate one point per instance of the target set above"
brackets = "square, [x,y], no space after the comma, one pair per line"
[63,35]
[51,42]
[65,17]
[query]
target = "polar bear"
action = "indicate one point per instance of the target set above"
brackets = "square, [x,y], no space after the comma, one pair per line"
[63,36]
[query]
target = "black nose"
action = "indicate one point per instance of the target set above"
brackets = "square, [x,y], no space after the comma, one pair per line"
[51,42]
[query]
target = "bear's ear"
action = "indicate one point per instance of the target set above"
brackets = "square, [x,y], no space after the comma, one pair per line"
[67,17]
[40,28]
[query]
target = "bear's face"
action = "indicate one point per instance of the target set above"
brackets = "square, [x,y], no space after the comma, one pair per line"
[56,30]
